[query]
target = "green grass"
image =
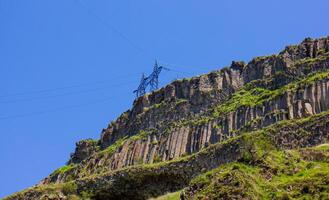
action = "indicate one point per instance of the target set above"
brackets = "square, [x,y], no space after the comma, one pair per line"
[111,149]
[275,175]
[197,122]
[256,96]
[120,142]
[92,141]
[169,196]
[322,57]
[63,169]
[324,147]
[52,191]
[251,97]
[104,154]
[142,135]
[229,182]
[242,98]
[181,101]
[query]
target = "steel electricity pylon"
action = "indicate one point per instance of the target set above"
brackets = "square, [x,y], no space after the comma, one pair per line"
[152,80]
[141,90]
[154,77]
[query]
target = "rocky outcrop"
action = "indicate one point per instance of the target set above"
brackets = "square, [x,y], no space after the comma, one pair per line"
[176,175]
[181,99]
[201,93]
[180,119]
[187,138]
[83,150]
[143,182]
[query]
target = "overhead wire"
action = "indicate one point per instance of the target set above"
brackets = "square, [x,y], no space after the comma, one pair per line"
[173,67]
[132,43]
[66,94]
[63,108]
[109,26]
[42,91]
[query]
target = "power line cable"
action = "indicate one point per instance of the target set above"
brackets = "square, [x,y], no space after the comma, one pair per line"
[110,27]
[181,66]
[41,91]
[63,108]
[180,72]
[113,29]
[133,44]
[65,94]
[123,36]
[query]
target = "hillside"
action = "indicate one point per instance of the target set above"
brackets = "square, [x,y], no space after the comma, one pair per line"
[249,131]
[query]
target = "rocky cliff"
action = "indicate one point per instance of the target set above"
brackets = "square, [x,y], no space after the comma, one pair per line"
[243,113]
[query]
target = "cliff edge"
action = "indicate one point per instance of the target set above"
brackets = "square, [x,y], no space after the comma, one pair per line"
[254,130]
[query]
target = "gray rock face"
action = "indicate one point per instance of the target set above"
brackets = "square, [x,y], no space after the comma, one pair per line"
[179,114]
[196,96]
[206,90]
[146,182]
[83,150]
[178,174]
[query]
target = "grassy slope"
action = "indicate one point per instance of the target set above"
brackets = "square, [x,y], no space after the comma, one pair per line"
[289,174]
[169,196]
[265,172]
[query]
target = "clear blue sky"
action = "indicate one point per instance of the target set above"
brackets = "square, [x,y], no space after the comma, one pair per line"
[68,69]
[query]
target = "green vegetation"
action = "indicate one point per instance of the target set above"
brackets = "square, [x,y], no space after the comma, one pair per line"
[262,58]
[169,196]
[63,169]
[251,97]
[197,122]
[218,126]
[69,188]
[142,135]
[251,123]
[155,142]
[275,175]
[118,143]
[158,105]
[92,141]
[50,191]
[322,147]
[264,171]
[229,182]
[255,96]
[181,101]
[242,98]
[324,55]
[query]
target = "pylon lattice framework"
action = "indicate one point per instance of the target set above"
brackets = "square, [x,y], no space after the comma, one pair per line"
[152,80]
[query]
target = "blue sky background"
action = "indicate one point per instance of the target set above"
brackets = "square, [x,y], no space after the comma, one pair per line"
[67,68]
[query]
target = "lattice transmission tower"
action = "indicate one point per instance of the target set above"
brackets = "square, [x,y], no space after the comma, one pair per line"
[154,77]
[152,80]
[141,90]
